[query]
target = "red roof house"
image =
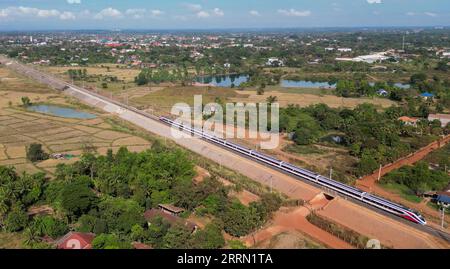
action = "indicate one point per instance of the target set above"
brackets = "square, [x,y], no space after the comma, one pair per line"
[75,240]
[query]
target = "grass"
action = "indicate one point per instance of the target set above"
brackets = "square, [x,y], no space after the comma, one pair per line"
[299,149]
[405,192]
[313,91]
[11,240]
[11,81]
[126,74]
[165,99]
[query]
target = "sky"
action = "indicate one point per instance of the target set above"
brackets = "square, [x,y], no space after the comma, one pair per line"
[215,14]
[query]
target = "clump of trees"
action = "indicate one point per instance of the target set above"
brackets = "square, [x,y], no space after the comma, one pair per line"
[107,195]
[17,193]
[77,74]
[26,102]
[35,153]
[160,75]
[373,137]
[418,178]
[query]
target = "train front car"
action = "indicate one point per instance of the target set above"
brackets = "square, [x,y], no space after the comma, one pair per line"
[414,217]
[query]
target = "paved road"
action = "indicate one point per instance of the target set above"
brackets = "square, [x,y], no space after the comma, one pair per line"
[256,171]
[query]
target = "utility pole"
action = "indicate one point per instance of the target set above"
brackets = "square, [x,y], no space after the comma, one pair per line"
[331,172]
[379,173]
[443,217]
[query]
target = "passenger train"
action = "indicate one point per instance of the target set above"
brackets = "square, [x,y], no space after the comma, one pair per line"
[328,183]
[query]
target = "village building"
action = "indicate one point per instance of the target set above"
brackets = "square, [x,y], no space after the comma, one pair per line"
[75,240]
[408,121]
[170,214]
[427,96]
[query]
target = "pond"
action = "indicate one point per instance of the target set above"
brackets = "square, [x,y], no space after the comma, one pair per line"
[224,81]
[402,85]
[61,112]
[306,84]
[326,85]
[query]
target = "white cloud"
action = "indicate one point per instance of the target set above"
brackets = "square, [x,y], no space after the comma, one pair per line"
[3,13]
[203,14]
[254,13]
[374,1]
[410,13]
[193,7]
[218,12]
[295,13]
[44,13]
[31,12]
[74,2]
[431,14]
[66,15]
[136,13]
[156,12]
[108,13]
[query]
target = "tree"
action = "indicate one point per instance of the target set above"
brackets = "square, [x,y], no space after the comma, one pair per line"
[50,226]
[16,220]
[367,164]
[271,99]
[177,237]
[418,78]
[443,66]
[78,198]
[308,131]
[157,230]
[26,101]
[109,241]
[36,153]
[121,215]
[238,219]
[260,90]
[209,238]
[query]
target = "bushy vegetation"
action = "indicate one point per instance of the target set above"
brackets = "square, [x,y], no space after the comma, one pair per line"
[36,153]
[418,178]
[107,195]
[373,137]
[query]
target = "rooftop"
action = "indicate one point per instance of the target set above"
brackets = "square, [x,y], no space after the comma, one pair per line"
[171,208]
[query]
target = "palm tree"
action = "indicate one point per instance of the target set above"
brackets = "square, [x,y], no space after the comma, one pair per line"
[271,99]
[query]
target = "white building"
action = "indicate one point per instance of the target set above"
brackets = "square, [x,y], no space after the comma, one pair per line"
[344,49]
[370,59]
[274,62]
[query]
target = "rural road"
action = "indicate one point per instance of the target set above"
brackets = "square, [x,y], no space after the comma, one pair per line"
[286,184]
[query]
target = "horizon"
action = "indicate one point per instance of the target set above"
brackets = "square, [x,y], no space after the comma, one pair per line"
[28,15]
[236,29]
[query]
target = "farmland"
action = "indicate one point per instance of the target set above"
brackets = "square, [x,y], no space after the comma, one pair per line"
[19,128]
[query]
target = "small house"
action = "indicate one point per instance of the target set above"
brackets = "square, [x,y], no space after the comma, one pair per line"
[442,199]
[427,96]
[170,209]
[75,240]
[382,92]
[151,214]
[408,121]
